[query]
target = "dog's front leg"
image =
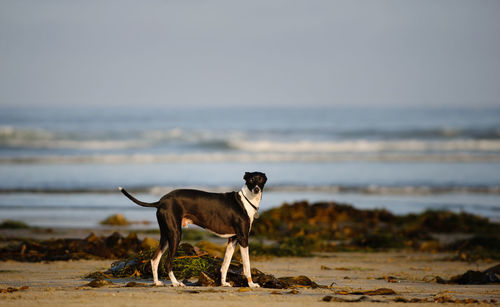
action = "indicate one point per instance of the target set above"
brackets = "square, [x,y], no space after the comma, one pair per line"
[231,244]
[246,266]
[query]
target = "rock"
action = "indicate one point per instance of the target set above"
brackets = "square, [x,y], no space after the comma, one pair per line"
[494,269]
[301,280]
[244,290]
[96,275]
[114,239]
[13,289]
[123,267]
[186,249]
[116,220]
[269,281]
[98,283]
[149,243]
[91,238]
[212,248]
[438,280]
[206,281]
[363,298]
[327,298]
[429,246]
[381,291]
[132,284]
[475,278]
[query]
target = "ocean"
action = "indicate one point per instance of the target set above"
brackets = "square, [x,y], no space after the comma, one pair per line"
[60,167]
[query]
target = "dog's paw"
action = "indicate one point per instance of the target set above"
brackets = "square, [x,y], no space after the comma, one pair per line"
[225,284]
[158,283]
[253,285]
[178,284]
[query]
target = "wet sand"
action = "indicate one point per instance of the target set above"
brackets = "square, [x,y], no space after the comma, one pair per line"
[407,273]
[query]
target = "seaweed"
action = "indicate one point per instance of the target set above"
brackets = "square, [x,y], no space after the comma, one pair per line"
[92,247]
[341,227]
[190,262]
[379,240]
[301,229]
[299,246]
[12,224]
[477,247]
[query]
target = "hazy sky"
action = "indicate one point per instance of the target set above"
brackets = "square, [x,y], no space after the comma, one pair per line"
[338,53]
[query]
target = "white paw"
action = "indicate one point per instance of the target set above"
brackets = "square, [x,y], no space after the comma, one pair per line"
[158,283]
[253,285]
[178,284]
[225,284]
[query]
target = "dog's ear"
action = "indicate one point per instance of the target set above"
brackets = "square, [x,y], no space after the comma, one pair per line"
[247,176]
[265,177]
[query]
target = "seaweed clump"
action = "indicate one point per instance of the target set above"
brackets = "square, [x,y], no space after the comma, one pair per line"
[12,224]
[192,263]
[488,276]
[330,226]
[114,246]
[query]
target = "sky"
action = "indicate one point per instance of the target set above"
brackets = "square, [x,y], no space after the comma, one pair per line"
[250,53]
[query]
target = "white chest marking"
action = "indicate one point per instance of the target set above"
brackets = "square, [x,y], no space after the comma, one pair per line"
[254,199]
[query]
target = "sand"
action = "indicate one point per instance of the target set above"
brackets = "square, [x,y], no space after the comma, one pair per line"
[62,283]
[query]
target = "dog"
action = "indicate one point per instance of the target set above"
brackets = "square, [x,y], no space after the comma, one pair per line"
[228,215]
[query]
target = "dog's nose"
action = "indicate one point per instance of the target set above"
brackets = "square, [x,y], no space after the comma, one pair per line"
[256,190]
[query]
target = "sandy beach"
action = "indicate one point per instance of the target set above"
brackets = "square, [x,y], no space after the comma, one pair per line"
[408,274]
[31,274]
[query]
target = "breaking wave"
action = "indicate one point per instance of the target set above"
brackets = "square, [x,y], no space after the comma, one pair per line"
[358,146]
[250,158]
[369,189]
[236,141]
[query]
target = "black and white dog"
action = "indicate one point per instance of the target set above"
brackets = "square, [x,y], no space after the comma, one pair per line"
[228,215]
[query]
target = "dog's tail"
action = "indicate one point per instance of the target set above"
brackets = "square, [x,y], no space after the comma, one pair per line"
[135,200]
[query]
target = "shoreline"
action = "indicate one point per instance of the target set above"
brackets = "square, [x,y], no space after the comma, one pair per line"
[88,209]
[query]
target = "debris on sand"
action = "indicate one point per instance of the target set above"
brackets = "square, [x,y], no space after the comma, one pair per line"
[443,299]
[335,299]
[133,284]
[114,246]
[98,283]
[193,263]
[380,291]
[13,289]
[488,276]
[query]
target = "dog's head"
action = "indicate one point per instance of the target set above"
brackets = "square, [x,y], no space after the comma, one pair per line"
[255,181]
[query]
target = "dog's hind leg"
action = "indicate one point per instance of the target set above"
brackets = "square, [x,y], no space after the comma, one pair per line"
[155,261]
[231,244]
[173,241]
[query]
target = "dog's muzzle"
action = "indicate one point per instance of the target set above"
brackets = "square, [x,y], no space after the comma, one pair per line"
[256,190]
